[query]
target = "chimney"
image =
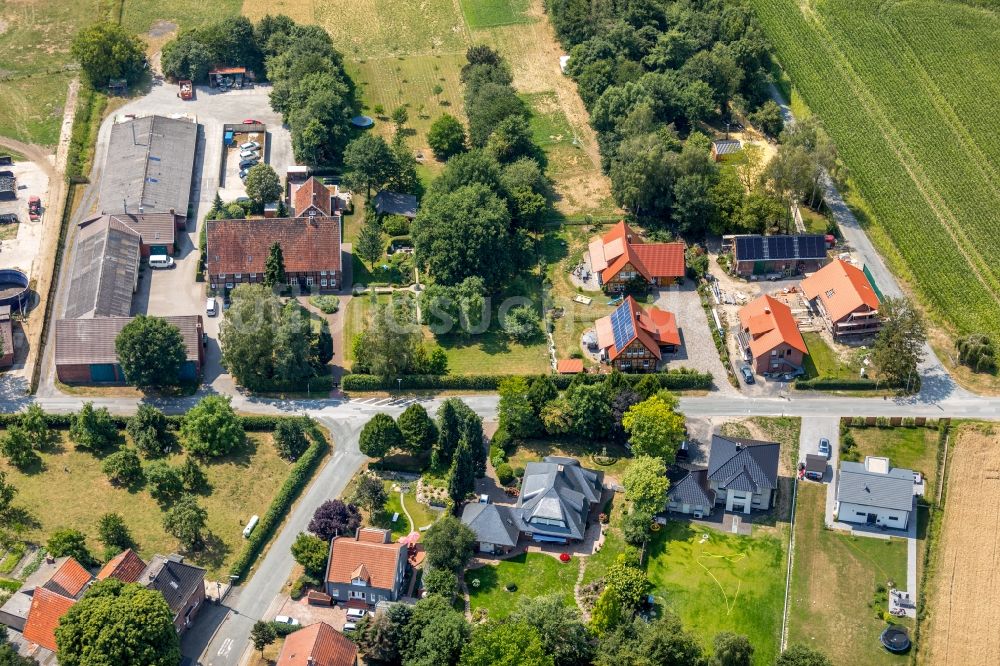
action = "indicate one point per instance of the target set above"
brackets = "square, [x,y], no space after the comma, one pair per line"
[172,212]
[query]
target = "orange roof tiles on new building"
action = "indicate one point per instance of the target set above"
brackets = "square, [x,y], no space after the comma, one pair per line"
[621,246]
[312,193]
[655,327]
[842,288]
[127,566]
[569,366]
[47,608]
[362,553]
[317,645]
[70,579]
[770,323]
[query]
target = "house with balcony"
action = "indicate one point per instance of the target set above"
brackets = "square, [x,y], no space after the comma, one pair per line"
[634,339]
[621,259]
[846,298]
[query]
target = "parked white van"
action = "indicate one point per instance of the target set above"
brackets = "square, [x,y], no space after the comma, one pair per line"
[160,261]
[252,523]
[211,308]
[356,613]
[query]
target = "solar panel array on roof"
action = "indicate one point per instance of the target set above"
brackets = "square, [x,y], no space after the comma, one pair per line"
[776,248]
[623,325]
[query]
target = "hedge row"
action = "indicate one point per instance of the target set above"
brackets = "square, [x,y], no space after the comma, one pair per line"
[297,479]
[831,384]
[677,380]
[319,384]
[64,421]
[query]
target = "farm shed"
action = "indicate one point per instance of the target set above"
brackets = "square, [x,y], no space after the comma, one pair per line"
[723,147]
[85,349]
[149,167]
[753,254]
[105,269]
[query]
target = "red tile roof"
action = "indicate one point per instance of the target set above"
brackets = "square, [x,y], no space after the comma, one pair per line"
[569,366]
[241,246]
[770,323]
[842,287]
[655,327]
[374,535]
[379,559]
[320,643]
[69,579]
[311,193]
[47,608]
[127,566]
[622,246]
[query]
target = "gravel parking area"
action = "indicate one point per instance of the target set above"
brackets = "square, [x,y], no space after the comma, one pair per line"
[307,614]
[698,348]
[20,247]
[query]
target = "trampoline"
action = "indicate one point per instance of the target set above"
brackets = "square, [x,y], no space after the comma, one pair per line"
[895,638]
[362,121]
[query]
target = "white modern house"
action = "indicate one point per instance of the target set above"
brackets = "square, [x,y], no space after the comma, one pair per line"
[875,493]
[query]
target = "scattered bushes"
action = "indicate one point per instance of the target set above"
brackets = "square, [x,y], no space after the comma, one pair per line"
[978,352]
[674,380]
[326,303]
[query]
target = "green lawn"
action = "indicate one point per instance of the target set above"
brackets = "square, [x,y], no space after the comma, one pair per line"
[535,574]
[834,578]
[422,515]
[823,361]
[910,448]
[139,15]
[493,352]
[375,28]
[491,13]
[721,582]
[71,491]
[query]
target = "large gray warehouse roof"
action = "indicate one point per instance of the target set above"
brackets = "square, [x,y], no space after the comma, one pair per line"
[105,269]
[150,164]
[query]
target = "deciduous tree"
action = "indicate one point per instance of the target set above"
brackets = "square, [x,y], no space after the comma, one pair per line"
[380,436]
[114,534]
[654,429]
[262,634]
[800,655]
[35,425]
[290,437]
[505,643]
[151,352]
[590,413]
[369,163]
[165,482]
[370,243]
[69,542]
[733,649]
[311,552]
[515,410]
[16,447]
[94,429]
[118,623]
[446,137]
[335,518]
[646,484]
[263,184]
[370,495]
[186,520]
[448,544]
[148,430]
[211,428]
[899,347]
[559,627]
[443,582]
[123,468]
[107,51]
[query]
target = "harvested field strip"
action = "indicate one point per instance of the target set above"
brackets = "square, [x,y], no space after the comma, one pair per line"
[884,81]
[966,583]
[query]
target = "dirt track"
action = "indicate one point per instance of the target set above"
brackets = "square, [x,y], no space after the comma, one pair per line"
[963,609]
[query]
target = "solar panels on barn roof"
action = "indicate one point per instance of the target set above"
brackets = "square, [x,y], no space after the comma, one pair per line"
[623,325]
[776,248]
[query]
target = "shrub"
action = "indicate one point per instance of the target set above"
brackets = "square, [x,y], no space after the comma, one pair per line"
[674,380]
[395,225]
[123,468]
[497,456]
[978,352]
[522,323]
[635,527]
[326,303]
[165,482]
[504,474]
[290,438]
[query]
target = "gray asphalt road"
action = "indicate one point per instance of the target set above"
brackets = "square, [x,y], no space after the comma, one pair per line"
[221,638]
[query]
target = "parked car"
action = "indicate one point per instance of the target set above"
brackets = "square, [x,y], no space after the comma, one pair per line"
[747,374]
[249,153]
[160,261]
[824,448]
[251,121]
[290,621]
[243,174]
[249,145]
[8,218]
[211,307]
[356,613]
[350,626]
[249,162]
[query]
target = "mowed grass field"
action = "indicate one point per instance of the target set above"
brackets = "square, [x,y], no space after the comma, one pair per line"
[491,13]
[907,90]
[721,582]
[72,491]
[534,574]
[834,577]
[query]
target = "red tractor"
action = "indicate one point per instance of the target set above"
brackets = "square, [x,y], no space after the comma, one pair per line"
[34,208]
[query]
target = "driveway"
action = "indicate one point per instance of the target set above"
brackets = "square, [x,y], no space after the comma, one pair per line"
[697,350]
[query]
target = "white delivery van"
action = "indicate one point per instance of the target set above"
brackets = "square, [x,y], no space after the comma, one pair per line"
[160,261]
[211,308]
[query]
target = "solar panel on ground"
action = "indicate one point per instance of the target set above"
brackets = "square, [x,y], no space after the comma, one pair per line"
[623,325]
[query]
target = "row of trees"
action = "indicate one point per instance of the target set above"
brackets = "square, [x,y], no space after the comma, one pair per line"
[453,444]
[268,344]
[644,416]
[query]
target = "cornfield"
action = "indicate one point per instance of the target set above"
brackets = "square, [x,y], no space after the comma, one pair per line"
[907,92]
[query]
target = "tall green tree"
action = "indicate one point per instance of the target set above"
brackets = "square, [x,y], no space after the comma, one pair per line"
[654,429]
[151,352]
[646,484]
[36,426]
[148,430]
[369,163]
[114,534]
[186,520]
[559,627]
[541,392]
[448,435]
[380,436]
[311,552]
[123,468]
[515,410]
[446,137]
[448,543]
[15,444]
[462,475]
[391,343]
[417,427]
[274,266]
[900,344]
[370,243]
[290,437]
[590,411]
[263,184]
[733,649]
[107,51]
[118,623]
[800,655]
[370,495]
[262,634]
[68,542]
[211,428]
[505,643]
[94,429]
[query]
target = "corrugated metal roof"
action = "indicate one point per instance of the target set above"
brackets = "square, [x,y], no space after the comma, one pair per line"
[886,491]
[87,341]
[150,164]
[105,269]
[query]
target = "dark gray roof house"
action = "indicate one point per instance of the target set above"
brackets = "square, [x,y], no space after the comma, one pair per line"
[493,524]
[181,584]
[396,203]
[875,493]
[556,499]
[149,166]
[691,493]
[743,472]
[105,269]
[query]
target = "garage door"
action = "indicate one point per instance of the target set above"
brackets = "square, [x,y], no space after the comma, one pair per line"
[158,249]
[102,372]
